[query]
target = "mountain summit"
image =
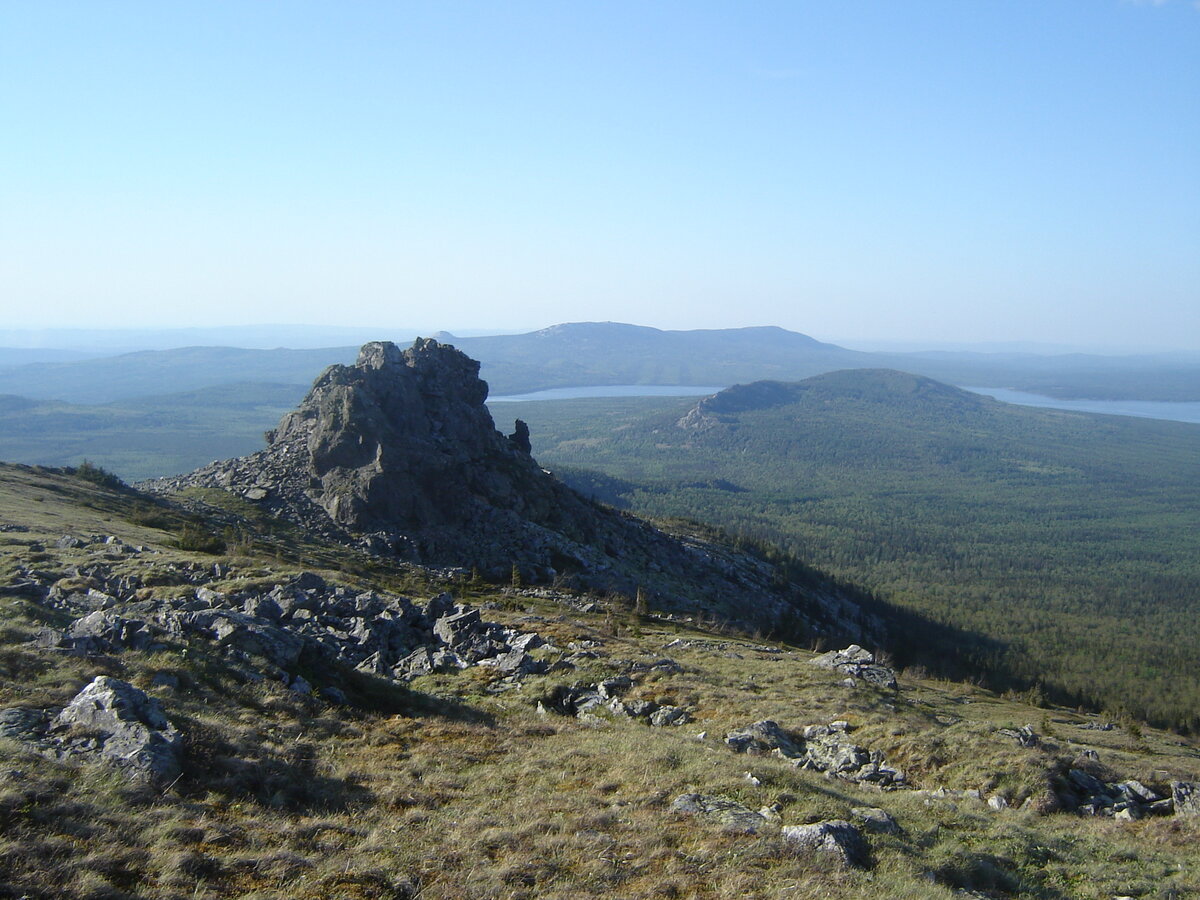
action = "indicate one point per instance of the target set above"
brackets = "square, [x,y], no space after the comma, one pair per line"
[398,453]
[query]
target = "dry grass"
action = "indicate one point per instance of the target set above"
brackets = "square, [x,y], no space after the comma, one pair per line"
[449,790]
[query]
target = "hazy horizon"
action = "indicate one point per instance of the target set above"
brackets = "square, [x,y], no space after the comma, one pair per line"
[99,341]
[936,173]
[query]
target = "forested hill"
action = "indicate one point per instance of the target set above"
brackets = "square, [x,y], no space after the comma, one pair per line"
[1071,539]
[897,391]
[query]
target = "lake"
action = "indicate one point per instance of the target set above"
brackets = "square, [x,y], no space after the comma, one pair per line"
[611,390]
[1146,409]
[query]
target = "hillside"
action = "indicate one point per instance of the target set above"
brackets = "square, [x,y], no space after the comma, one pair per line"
[398,454]
[1047,533]
[242,739]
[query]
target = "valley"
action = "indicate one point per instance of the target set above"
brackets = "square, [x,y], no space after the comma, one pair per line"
[1067,541]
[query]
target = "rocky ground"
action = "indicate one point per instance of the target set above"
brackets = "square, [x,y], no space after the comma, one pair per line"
[178,724]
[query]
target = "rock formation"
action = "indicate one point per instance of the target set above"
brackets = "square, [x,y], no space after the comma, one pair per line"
[399,454]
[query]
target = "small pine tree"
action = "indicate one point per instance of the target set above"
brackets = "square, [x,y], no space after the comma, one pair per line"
[516,576]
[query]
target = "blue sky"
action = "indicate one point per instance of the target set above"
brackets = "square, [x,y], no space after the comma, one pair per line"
[941,171]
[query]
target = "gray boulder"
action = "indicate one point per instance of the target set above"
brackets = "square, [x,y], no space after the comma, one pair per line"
[667,716]
[828,754]
[875,819]
[276,645]
[835,836]
[126,727]
[858,663]
[103,631]
[459,628]
[419,662]
[1186,795]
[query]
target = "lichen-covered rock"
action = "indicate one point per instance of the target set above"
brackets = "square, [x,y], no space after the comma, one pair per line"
[729,814]
[123,726]
[23,724]
[875,819]
[668,716]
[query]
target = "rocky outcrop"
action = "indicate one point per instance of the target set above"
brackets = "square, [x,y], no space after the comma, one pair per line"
[605,699]
[857,663]
[1185,795]
[399,455]
[125,727]
[109,721]
[729,814]
[820,748]
[1082,792]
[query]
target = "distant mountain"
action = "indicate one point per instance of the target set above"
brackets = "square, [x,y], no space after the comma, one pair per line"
[590,353]
[608,353]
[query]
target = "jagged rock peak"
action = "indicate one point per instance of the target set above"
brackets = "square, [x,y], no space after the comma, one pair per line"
[401,438]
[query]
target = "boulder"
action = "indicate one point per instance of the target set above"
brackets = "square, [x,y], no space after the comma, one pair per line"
[20,724]
[459,628]
[419,662]
[129,729]
[857,663]
[1186,796]
[836,836]
[1025,736]
[278,646]
[103,631]
[666,716]
[875,819]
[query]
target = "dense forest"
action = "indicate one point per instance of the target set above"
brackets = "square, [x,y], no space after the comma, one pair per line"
[1064,547]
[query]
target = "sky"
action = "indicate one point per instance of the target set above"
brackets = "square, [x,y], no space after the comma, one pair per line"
[992,170]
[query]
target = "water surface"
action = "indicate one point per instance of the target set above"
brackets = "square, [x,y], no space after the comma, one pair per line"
[611,390]
[1145,409]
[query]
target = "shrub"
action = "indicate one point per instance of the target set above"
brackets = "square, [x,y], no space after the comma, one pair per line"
[194,538]
[96,475]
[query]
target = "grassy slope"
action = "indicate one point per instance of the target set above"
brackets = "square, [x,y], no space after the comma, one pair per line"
[459,792]
[1070,538]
